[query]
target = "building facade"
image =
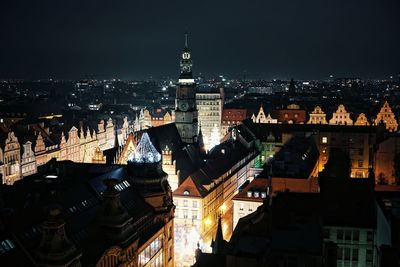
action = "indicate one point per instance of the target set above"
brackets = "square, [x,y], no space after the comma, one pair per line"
[317,116]
[123,221]
[207,194]
[341,116]
[387,116]
[361,120]
[18,161]
[230,118]
[250,198]
[292,114]
[209,104]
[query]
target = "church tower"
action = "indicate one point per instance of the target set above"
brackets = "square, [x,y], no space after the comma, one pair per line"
[185,102]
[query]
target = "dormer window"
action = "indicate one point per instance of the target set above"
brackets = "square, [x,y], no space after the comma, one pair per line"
[186,193]
[256,194]
[263,194]
[249,194]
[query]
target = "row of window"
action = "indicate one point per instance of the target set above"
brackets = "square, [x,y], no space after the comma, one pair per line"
[213,96]
[348,235]
[185,202]
[185,214]
[202,108]
[352,254]
[148,253]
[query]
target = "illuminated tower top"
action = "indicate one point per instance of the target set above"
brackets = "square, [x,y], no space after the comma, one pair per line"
[186,64]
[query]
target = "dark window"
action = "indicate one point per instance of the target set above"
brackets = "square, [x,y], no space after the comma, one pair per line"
[326,233]
[339,235]
[346,254]
[369,255]
[340,253]
[356,235]
[355,254]
[370,236]
[347,235]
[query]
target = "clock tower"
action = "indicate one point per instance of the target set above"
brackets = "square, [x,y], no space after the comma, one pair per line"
[185,102]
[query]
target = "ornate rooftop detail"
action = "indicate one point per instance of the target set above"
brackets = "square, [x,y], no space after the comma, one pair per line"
[145,151]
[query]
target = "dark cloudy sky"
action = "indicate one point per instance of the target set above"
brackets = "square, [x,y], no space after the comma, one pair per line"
[138,39]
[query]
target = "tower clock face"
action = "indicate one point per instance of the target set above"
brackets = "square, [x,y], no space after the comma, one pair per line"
[186,55]
[183,106]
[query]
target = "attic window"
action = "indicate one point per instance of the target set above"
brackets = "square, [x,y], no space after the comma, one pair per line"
[263,194]
[186,192]
[122,185]
[249,194]
[256,194]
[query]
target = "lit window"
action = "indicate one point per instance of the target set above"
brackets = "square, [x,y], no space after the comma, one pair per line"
[324,140]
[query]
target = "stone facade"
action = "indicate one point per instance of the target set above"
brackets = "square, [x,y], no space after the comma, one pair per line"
[317,116]
[11,160]
[387,116]
[361,120]
[341,116]
[18,161]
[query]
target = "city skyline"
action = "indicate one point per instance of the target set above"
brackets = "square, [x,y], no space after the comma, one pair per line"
[258,40]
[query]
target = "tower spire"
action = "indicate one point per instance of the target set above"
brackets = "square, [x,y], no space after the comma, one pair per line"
[186,40]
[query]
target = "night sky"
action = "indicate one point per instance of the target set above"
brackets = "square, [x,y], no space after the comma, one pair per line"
[141,39]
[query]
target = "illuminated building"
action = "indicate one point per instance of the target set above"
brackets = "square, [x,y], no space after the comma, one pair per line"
[231,117]
[28,160]
[169,166]
[250,198]
[207,193]
[160,117]
[144,120]
[341,116]
[387,116]
[91,220]
[317,116]
[269,147]
[11,160]
[261,118]
[357,141]
[186,115]
[387,160]
[291,114]
[209,104]
[98,157]
[42,143]
[361,120]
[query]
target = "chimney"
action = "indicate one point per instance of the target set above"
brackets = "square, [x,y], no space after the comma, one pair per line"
[55,248]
